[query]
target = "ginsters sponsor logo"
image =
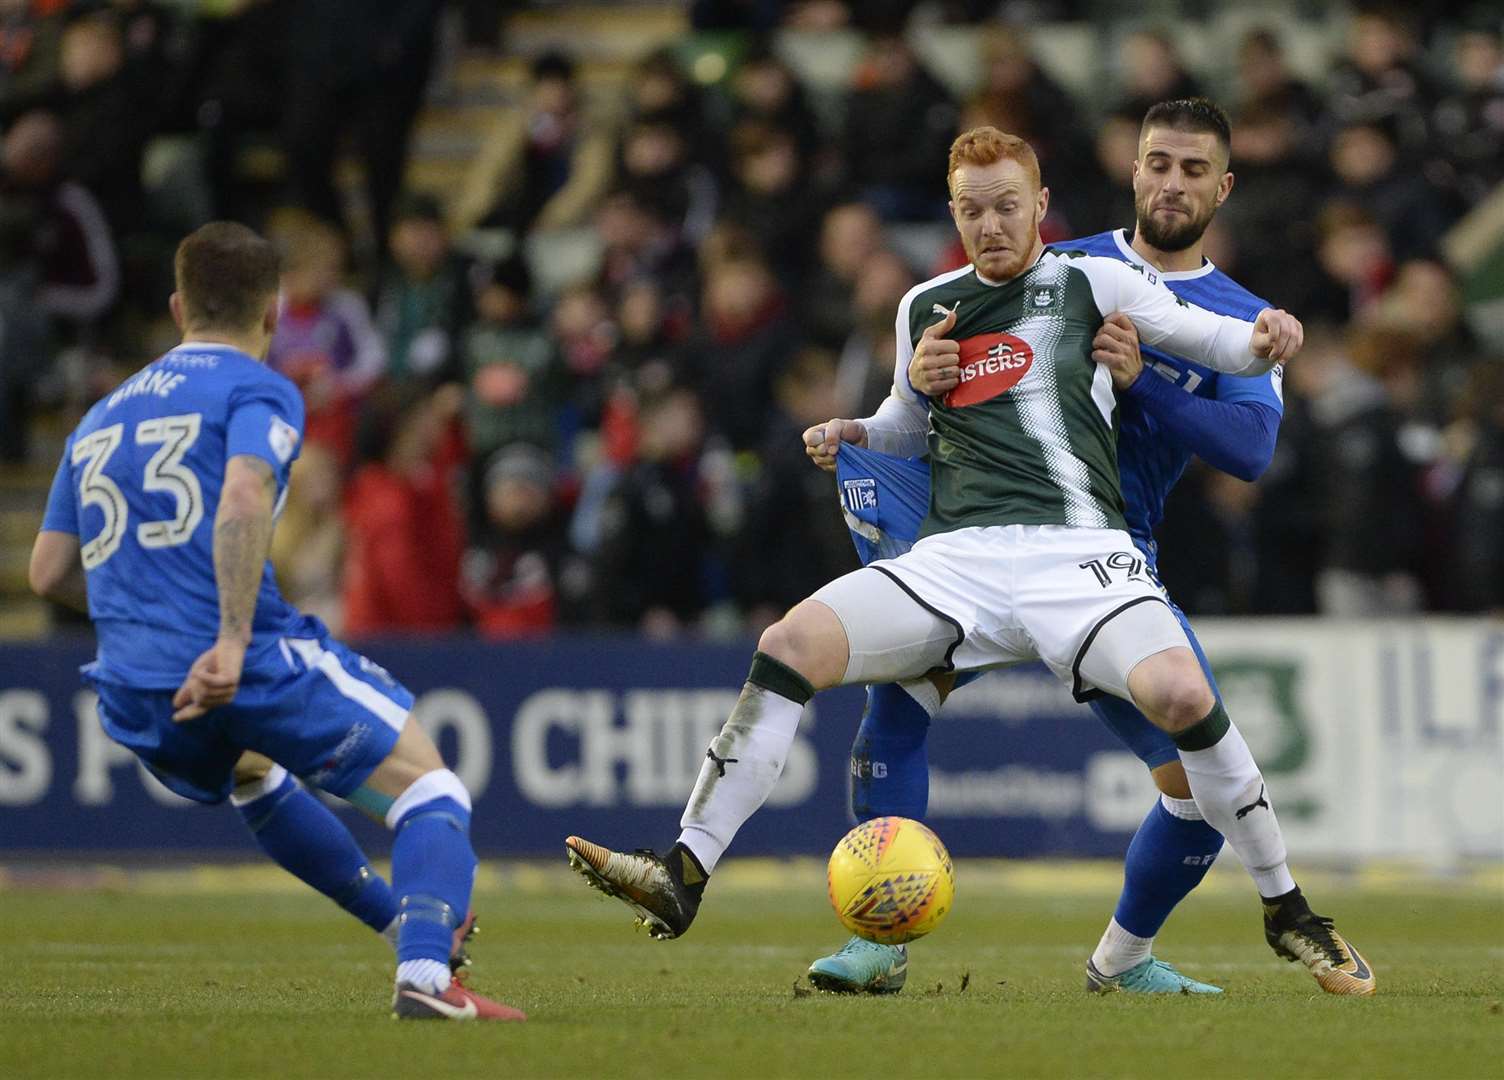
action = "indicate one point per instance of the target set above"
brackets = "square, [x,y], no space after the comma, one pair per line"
[990,365]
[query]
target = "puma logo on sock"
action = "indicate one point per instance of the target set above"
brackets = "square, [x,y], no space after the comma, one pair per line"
[722,762]
[1243,811]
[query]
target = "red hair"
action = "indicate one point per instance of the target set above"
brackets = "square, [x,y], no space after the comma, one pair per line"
[987,146]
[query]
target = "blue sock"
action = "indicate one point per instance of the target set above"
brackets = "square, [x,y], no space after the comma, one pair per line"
[433,869]
[304,837]
[1166,860]
[890,765]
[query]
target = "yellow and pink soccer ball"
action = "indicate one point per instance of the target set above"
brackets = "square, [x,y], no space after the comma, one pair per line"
[891,880]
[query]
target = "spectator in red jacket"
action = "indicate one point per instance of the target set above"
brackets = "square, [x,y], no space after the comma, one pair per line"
[404,536]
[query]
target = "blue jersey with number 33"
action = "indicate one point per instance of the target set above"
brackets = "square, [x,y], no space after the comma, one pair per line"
[139,486]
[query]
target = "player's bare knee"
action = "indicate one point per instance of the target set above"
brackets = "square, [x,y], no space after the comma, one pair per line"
[805,640]
[252,768]
[1170,778]
[1172,689]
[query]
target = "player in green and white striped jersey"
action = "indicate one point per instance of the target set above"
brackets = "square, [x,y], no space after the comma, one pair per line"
[1025,507]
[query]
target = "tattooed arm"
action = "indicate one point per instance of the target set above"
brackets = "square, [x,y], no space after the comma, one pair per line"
[242,537]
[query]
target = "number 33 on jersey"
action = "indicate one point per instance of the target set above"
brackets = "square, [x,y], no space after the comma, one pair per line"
[139,484]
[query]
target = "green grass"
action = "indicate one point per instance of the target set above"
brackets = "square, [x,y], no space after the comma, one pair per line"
[215,974]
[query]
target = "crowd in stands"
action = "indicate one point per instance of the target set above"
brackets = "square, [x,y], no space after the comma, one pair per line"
[622,451]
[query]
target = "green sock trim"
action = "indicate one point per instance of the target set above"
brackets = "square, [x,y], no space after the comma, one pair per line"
[1206,732]
[778,678]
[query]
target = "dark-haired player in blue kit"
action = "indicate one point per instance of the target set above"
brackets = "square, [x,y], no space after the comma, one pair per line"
[158,526]
[1169,408]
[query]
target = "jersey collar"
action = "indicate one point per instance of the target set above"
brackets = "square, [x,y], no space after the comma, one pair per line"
[1120,236]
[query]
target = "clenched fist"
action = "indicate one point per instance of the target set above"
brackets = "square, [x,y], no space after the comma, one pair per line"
[1277,336]
[823,440]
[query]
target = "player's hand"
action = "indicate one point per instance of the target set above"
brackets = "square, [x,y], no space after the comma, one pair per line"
[936,366]
[211,682]
[1116,348]
[823,440]
[1277,336]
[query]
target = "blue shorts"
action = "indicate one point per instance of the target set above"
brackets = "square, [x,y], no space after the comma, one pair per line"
[884,500]
[320,710]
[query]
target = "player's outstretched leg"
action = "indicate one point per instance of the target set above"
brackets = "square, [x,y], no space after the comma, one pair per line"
[741,767]
[433,869]
[889,776]
[301,835]
[1232,795]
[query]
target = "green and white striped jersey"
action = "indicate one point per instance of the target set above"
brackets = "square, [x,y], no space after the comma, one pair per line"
[1029,436]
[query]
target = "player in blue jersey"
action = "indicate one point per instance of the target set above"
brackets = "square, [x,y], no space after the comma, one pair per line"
[1169,408]
[158,526]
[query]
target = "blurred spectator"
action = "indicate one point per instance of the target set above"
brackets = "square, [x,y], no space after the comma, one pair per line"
[764,89]
[108,111]
[1381,78]
[637,241]
[30,47]
[510,365]
[745,338]
[1151,71]
[1426,301]
[355,66]
[1371,495]
[23,332]
[425,299]
[1107,187]
[325,340]
[849,236]
[656,167]
[1265,84]
[648,356]
[1478,505]
[794,539]
[864,373]
[404,533]
[1355,260]
[772,198]
[308,545]
[650,571]
[72,244]
[513,574]
[899,126]
[544,166]
[1468,124]
[660,88]
[1370,173]
[1266,212]
[585,336]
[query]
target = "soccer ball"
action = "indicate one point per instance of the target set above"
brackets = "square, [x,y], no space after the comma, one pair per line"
[890,880]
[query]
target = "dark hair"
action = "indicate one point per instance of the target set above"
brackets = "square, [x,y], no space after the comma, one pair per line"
[553,65]
[1197,114]
[226,274]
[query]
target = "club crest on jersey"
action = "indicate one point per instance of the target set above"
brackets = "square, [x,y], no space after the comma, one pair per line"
[991,364]
[860,494]
[1042,297]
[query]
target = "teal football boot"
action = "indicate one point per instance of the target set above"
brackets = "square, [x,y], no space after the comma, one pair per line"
[1150,977]
[862,967]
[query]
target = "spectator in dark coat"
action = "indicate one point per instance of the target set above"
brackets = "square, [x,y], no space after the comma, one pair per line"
[651,568]
[425,297]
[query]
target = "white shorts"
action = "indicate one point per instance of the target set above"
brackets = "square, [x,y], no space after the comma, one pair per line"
[1081,600]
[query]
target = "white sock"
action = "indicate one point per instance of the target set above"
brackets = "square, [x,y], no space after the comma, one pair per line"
[390,933]
[1184,809]
[1119,950]
[923,691]
[1225,780]
[749,755]
[429,976]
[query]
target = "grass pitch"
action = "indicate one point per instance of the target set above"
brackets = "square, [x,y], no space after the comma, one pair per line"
[238,973]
